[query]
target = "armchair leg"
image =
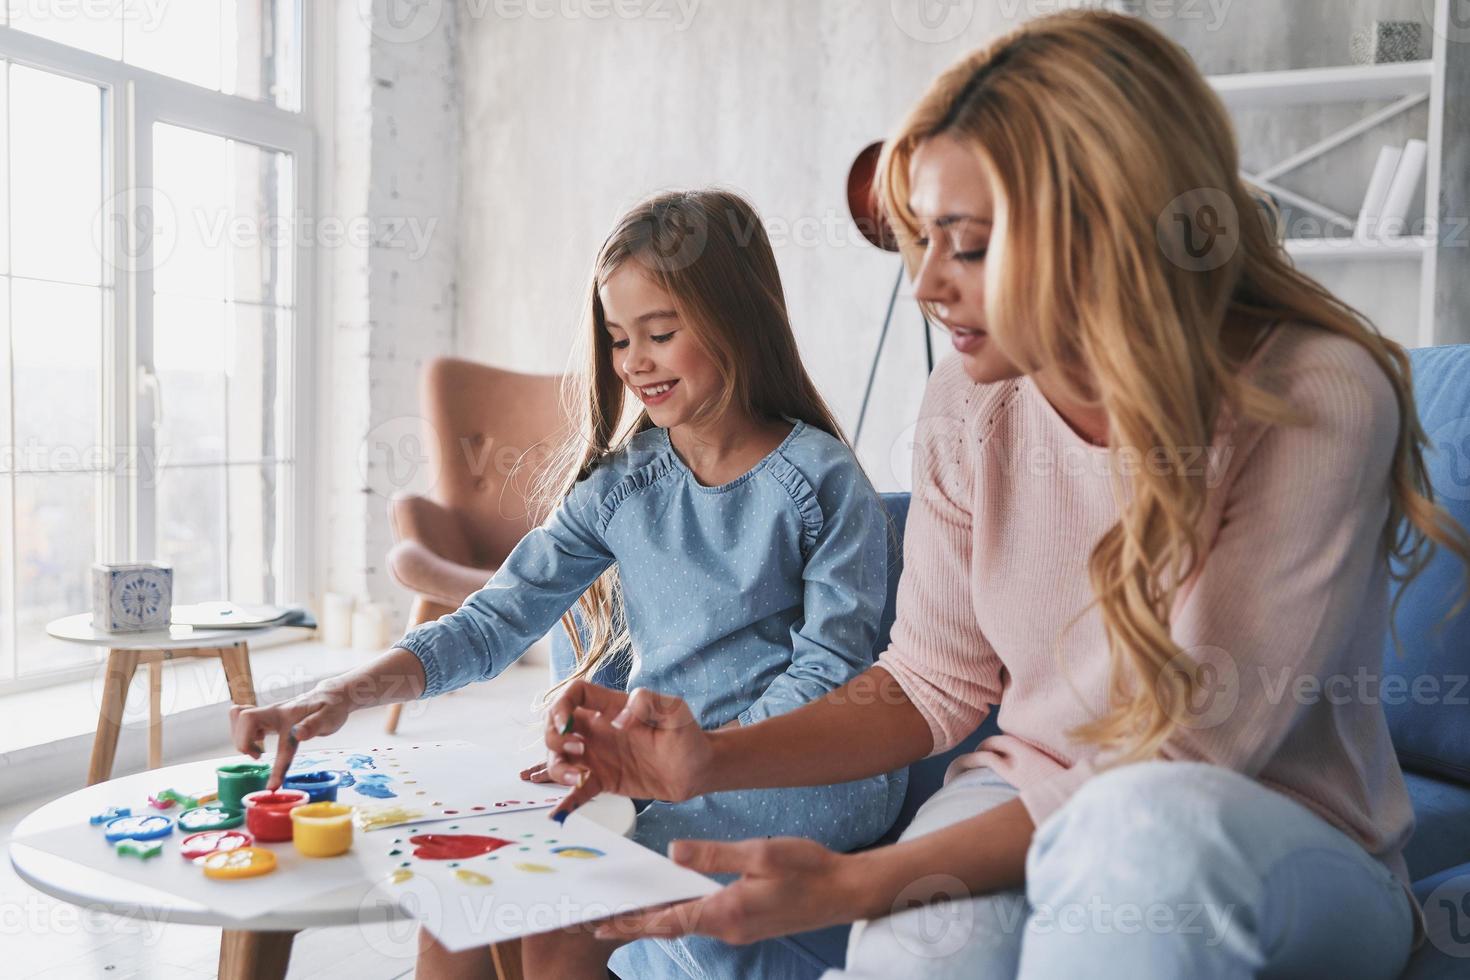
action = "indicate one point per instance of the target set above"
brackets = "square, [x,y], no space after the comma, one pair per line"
[423,611]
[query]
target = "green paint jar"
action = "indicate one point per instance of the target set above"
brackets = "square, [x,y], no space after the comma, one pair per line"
[238,779]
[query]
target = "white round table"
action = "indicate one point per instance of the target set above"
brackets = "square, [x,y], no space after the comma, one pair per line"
[126,651]
[258,947]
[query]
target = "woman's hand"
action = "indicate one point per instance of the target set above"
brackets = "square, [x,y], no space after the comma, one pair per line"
[320,711]
[787,885]
[640,744]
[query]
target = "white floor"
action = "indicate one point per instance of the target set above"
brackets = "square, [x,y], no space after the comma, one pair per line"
[41,937]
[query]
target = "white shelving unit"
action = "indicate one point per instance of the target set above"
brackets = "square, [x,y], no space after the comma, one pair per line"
[1444,274]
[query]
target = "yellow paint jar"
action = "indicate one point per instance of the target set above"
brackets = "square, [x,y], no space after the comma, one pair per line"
[322,830]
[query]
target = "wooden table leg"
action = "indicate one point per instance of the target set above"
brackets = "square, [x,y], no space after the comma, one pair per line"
[120,667]
[155,714]
[236,663]
[254,955]
[507,959]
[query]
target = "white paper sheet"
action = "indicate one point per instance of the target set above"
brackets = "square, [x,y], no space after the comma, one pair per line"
[545,877]
[426,781]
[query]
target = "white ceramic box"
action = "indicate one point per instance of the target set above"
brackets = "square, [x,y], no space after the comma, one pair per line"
[133,597]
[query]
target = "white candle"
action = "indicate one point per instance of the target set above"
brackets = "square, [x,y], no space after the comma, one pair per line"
[337,619]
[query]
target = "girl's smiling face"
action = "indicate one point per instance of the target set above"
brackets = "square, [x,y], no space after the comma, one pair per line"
[654,353]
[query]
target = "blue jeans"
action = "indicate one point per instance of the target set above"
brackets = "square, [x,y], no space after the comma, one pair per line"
[1159,869]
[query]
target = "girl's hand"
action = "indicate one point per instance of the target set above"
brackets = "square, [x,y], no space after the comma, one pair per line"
[787,885]
[320,711]
[640,744]
[536,773]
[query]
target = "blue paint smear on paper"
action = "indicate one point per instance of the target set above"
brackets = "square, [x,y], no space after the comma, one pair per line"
[374,785]
[347,778]
[360,762]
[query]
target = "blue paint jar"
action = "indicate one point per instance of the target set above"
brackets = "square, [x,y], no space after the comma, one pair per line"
[319,785]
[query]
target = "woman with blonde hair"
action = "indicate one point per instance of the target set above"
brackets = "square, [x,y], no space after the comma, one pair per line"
[1159,485]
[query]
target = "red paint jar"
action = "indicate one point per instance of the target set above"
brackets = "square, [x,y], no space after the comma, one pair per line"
[268,814]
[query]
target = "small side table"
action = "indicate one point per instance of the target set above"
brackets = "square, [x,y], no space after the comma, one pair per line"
[126,651]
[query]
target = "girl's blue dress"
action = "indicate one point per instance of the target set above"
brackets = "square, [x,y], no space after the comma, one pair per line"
[746,600]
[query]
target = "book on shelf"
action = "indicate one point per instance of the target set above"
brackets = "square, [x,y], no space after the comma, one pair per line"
[1372,211]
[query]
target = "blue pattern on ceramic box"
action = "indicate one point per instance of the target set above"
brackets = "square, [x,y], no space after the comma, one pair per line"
[132,597]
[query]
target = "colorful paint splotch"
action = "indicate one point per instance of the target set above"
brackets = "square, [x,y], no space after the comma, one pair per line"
[374,784]
[385,816]
[571,851]
[450,847]
[534,868]
[471,877]
[360,762]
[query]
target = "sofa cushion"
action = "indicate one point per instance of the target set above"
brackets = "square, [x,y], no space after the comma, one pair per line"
[1426,693]
[1441,819]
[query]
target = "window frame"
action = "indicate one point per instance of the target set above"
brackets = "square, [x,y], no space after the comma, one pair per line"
[133,100]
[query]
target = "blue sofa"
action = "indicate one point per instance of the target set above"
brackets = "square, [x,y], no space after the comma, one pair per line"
[1431,731]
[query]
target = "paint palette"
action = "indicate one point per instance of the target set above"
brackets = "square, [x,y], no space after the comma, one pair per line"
[390,786]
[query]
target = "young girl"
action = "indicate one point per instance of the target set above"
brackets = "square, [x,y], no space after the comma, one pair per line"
[729,526]
[1154,806]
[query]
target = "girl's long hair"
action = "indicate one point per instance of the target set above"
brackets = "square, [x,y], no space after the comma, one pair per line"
[709,251]
[1092,126]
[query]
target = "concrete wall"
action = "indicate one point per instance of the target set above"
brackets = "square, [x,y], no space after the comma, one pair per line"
[390,154]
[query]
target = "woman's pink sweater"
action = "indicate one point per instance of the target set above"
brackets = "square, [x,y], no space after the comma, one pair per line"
[1286,615]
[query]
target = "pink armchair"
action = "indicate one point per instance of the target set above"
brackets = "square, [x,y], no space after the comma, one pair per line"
[492,433]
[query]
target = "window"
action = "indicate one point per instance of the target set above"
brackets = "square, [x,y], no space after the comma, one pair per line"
[153,182]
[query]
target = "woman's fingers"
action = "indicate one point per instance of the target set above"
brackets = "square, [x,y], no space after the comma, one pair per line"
[584,788]
[584,696]
[536,773]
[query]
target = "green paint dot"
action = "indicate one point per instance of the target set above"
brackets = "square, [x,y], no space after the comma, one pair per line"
[525,848]
[454,826]
[454,864]
[404,864]
[528,835]
[398,840]
[551,840]
[394,853]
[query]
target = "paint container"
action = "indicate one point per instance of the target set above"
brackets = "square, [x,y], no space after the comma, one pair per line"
[322,830]
[320,786]
[239,779]
[268,813]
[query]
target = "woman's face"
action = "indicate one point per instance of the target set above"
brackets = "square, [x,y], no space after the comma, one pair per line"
[950,195]
[654,353]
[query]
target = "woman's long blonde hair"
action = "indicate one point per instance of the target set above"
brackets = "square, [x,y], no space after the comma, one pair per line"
[1093,125]
[709,251]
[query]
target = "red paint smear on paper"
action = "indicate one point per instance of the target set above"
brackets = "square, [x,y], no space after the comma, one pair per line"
[447,847]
